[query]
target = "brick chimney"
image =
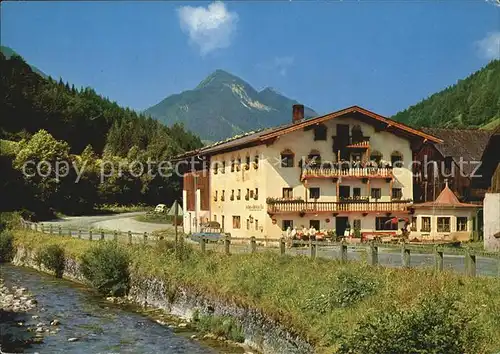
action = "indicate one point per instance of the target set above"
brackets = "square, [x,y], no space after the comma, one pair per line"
[297,113]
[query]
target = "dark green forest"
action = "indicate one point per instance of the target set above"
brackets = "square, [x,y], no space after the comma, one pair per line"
[471,103]
[54,121]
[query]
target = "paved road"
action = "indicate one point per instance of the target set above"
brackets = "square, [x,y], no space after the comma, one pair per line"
[484,265]
[120,222]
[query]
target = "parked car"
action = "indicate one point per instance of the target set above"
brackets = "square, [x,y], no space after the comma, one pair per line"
[210,231]
[161,208]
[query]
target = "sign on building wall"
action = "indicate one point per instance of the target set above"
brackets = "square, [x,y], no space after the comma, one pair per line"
[255,207]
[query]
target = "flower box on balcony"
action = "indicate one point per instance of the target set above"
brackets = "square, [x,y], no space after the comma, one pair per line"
[354,199]
[247,197]
[231,198]
[271,200]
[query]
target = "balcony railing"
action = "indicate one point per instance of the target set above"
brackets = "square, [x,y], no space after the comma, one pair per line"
[343,206]
[360,172]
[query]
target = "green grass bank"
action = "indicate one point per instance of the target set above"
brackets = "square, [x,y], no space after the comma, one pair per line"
[342,308]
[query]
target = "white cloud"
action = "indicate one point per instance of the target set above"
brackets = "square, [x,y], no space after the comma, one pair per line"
[210,27]
[279,64]
[494,2]
[489,46]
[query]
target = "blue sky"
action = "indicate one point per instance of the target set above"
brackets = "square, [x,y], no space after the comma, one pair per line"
[382,55]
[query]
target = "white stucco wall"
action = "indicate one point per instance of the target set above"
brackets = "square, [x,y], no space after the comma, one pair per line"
[491,219]
[434,214]
[252,179]
[270,179]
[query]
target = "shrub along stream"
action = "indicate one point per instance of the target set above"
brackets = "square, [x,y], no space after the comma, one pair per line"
[343,308]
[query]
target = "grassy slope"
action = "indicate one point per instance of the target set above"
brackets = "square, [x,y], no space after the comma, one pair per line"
[288,288]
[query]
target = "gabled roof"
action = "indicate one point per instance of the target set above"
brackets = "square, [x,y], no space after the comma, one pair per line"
[446,199]
[264,135]
[469,143]
[492,140]
[466,143]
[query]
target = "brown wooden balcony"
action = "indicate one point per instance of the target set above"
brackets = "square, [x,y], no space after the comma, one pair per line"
[351,172]
[297,206]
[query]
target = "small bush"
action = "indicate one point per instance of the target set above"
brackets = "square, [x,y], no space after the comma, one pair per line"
[53,258]
[221,326]
[348,289]
[435,325]
[183,252]
[105,266]
[9,220]
[6,247]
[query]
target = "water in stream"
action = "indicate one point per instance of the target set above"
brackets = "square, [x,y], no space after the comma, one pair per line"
[100,327]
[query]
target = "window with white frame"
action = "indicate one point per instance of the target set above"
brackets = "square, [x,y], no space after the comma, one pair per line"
[462,223]
[443,224]
[426,224]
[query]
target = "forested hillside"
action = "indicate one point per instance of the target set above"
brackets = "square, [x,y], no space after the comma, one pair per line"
[47,120]
[472,102]
[79,116]
[9,52]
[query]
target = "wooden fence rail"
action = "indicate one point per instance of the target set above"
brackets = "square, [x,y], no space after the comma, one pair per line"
[310,248]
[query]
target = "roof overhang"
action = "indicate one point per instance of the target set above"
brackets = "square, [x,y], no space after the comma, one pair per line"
[269,135]
[388,124]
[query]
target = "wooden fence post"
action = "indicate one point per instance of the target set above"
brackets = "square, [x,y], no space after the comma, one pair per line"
[102,236]
[50,229]
[202,244]
[470,263]
[175,226]
[282,246]
[115,235]
[253,245]
[90,235]
[405,255]
[36,227]
[145,237]
[312,248]
[498,265]
[438,259]
[373,254]
[343,251]
[59,230]
[130,237]
[227,243]
[69,232]
[41,228]
[79,233]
